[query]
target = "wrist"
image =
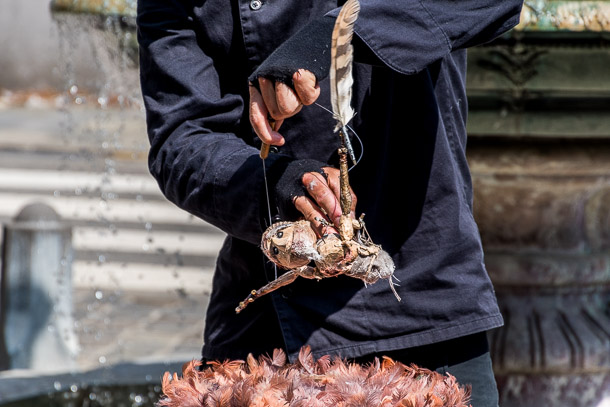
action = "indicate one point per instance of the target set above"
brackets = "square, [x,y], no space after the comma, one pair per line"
[287,176]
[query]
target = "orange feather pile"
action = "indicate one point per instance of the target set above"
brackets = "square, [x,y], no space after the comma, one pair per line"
[271,382]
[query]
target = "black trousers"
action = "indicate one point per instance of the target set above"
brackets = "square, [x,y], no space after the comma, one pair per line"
[467,358]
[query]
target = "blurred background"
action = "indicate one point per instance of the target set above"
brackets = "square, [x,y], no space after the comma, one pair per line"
[105,283]
[132,272]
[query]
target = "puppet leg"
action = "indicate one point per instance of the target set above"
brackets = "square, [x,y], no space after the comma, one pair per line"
[281,281]
[285,279]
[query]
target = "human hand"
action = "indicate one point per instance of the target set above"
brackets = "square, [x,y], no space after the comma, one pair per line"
[278,101]
[323,201]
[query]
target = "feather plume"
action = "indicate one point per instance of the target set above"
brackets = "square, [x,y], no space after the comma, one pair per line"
[341,55]
[279,358]
[327,382]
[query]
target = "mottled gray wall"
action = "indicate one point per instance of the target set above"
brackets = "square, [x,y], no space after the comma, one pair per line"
[30,50]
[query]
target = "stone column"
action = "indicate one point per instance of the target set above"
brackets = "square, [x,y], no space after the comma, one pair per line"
[37,304]
[544,215]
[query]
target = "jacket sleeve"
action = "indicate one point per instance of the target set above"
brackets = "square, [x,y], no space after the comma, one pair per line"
[196,154]
[408,35]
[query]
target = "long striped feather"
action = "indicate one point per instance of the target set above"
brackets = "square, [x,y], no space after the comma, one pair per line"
[341,55]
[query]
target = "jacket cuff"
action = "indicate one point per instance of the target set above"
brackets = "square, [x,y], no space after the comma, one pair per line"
[308,49]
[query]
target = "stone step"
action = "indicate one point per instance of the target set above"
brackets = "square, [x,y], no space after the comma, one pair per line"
[108,210]
[125,234]
[70,182]
[117,276]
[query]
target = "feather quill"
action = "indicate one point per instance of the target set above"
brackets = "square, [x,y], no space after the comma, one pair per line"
[341,55]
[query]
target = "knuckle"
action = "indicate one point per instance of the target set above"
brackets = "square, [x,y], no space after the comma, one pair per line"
[286,107]
[325,195]
[311,181]
[309,97]
[311,214]
[288,102]
[308,177]
[299,203]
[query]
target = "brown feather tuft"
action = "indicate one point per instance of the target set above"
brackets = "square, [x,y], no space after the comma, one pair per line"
[271,382]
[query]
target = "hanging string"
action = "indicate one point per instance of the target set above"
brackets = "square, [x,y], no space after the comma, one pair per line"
[352,131]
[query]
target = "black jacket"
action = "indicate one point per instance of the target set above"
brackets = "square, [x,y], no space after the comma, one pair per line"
[413,182]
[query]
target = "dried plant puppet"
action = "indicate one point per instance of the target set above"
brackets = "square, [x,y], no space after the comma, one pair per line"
[294,245]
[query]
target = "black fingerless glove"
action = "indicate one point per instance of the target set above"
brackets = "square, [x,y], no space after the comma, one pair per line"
[286,175]
[308,49]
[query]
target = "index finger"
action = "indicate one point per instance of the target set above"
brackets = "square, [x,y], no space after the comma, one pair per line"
[258,118]
[323,195]
[315,215]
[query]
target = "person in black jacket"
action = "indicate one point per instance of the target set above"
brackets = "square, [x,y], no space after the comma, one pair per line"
[198,60]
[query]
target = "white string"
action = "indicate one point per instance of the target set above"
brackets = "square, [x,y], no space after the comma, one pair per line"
[355,135]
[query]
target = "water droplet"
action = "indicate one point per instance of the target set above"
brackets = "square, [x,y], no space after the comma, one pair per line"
[101,258]
[57,385]
[148,226]
[102,359]
[99,295]
[73,90]
[74,388]
[103,101]
[148,378]
[137,399]
[56,194]
[92,396]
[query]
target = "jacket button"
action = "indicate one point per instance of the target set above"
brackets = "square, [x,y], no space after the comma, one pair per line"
[256,4]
